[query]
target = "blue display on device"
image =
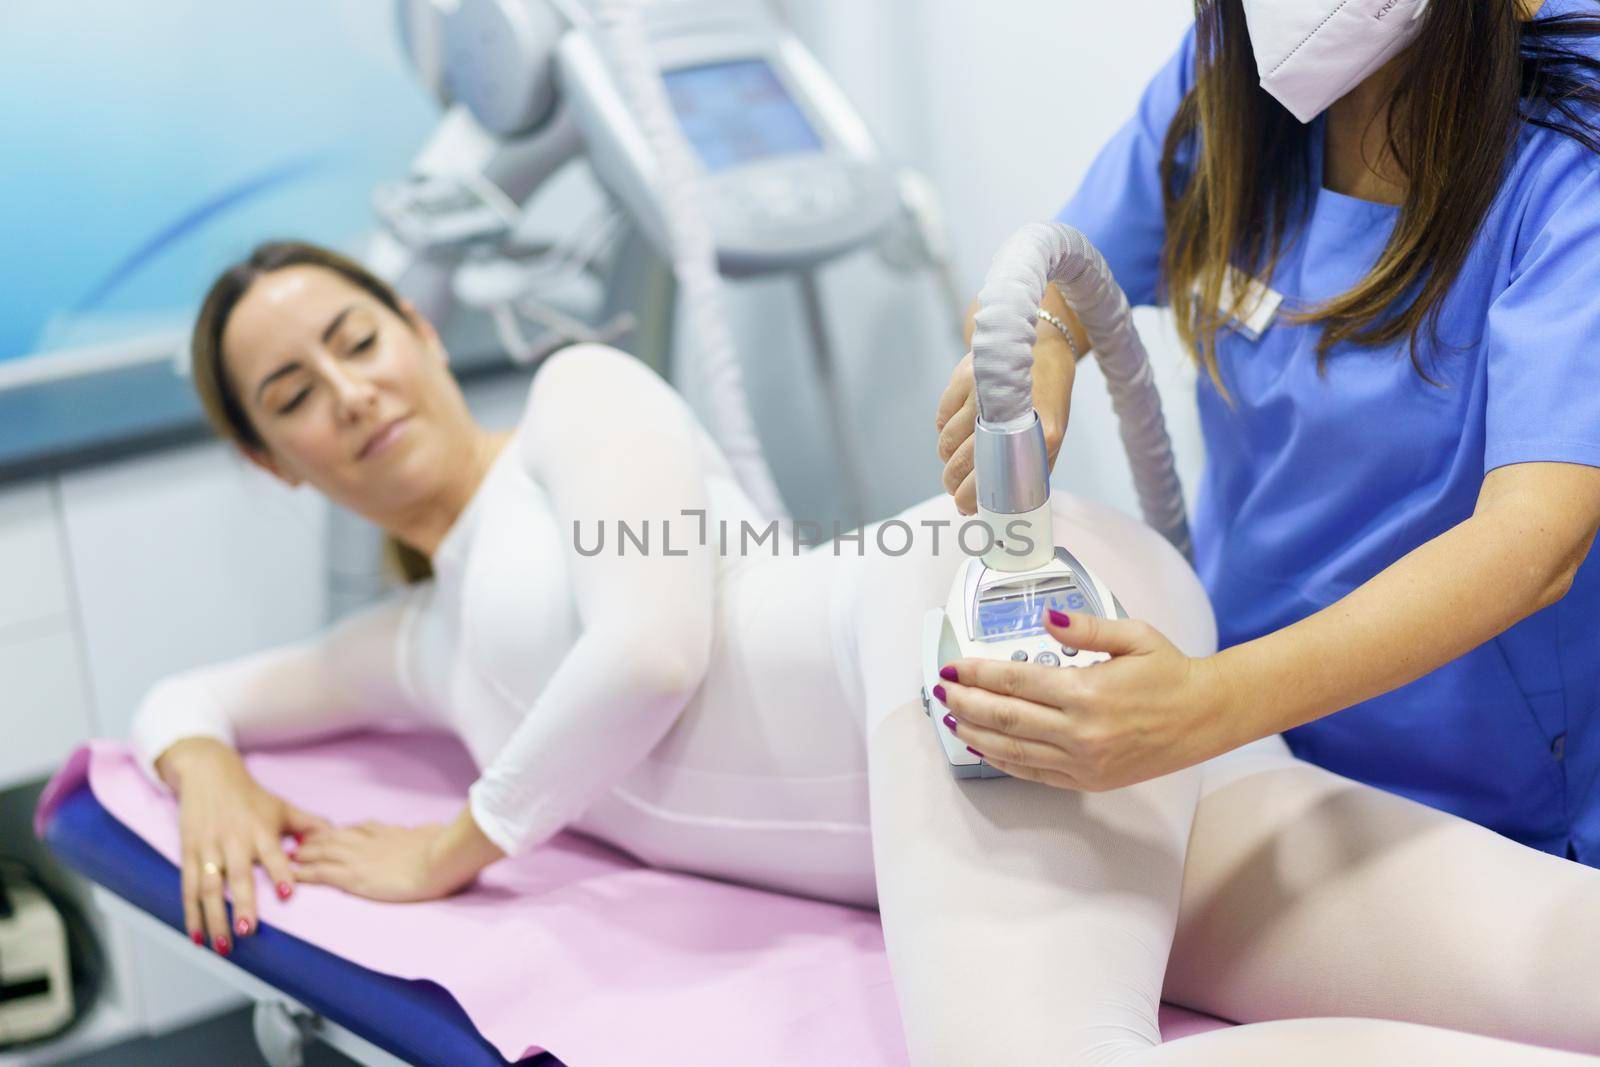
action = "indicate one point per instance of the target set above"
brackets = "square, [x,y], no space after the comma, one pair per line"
[737,112]
[1018,614]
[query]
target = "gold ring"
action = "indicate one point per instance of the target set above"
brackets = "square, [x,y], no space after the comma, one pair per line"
[210,868]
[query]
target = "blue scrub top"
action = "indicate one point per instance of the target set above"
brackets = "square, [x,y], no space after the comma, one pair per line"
[1313,484]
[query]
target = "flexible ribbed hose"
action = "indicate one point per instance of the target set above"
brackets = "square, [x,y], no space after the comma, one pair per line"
[694,253]
[1035,256]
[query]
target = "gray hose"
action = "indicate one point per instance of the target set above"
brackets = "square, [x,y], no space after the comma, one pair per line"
[694,253]
[1039,254]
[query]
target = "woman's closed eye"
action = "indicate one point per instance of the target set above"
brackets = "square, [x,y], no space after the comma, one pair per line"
[365,343]
[296,400]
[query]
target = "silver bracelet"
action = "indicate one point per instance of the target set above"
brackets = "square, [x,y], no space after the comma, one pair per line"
[1061,328]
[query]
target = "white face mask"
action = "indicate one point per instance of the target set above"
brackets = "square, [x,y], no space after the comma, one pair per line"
[1312,52]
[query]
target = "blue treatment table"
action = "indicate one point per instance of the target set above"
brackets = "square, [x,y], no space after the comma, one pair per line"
[302,992]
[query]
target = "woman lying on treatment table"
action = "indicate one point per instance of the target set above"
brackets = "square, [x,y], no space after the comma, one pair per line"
[753,716]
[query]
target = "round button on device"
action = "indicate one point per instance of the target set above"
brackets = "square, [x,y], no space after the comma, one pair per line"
[1047,659]
[1019,655]
[1065,651]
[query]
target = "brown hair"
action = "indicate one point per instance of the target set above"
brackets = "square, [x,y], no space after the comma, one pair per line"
[209,371]
[1236,166]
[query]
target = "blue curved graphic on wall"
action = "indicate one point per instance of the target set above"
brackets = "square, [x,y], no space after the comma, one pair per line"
[192,220]
[150,145]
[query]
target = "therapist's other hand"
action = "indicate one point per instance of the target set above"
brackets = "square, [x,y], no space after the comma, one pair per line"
[1054,367]
[227,823]
[1148,711]
[399,864]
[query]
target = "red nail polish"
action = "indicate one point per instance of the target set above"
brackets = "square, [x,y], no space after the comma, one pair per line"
[948,674]
[938,693]
[950,723]
[1059,618]
[242,926]
[284,889]
[975,752]
[299,838]
[197,937]
[220,943]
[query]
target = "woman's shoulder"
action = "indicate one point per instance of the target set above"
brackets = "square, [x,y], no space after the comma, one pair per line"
[1558,148]
[1553,176]
[581,388]
[583,369]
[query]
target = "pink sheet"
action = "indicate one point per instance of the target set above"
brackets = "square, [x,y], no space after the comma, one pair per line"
[574,948]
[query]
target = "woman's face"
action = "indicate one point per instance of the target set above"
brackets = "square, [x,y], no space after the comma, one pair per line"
[344,393]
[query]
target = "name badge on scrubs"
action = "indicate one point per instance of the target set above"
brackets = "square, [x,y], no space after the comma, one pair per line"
[1252,305]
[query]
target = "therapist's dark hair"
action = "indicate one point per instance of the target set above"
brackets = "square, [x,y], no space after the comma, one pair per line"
[1236,166]
[209,371]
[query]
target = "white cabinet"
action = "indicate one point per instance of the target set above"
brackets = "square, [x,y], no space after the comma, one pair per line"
[185,558]
[33,575]
[44,710]
[44,707]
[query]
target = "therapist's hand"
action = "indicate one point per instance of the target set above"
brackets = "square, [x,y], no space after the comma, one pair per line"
[397,863]
[1148,711]
[1054,367]
[227,823]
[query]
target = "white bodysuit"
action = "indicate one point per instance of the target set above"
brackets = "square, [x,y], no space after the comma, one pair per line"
[698,710]
[719,713]
[703,711]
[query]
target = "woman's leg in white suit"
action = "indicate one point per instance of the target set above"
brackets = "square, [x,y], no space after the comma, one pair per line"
[1024,924]
[1028,925]
[1309,894]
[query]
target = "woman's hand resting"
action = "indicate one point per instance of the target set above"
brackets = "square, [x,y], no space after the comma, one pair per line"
[375,860]
[1148,711]
[396,863]
[228,823]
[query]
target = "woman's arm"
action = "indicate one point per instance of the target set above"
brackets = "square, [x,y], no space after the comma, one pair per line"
[189,728]
[1532,527]
[610,442]
[1152,710]
[343,680]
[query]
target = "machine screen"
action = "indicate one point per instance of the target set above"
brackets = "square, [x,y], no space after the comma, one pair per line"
[1011,611]
[739,111]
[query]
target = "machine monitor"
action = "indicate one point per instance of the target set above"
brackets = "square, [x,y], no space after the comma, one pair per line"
[736,112]
[790,178]
[1012,610]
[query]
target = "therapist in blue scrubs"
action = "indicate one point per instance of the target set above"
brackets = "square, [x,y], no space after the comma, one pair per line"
[1400,498]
